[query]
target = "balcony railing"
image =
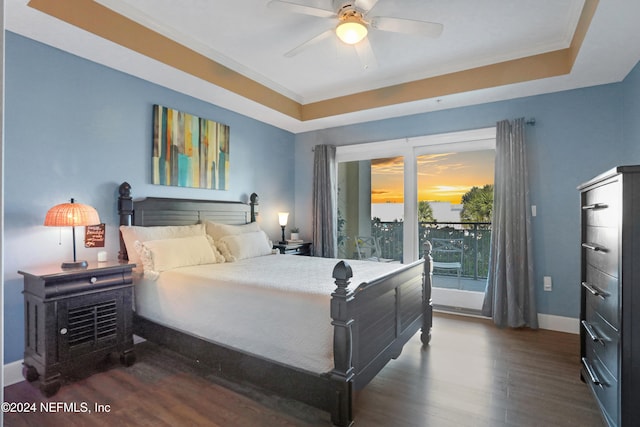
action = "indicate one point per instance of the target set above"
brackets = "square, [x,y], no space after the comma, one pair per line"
[476,238]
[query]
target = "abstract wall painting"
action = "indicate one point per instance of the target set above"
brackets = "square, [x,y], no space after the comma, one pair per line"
[189,151]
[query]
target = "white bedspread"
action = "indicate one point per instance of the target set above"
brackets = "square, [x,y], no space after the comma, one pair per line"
[275,306]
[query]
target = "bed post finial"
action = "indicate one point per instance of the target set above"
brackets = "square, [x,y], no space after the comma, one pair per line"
[342,273]
[125,190]
[253,201]
[342,373]
[125,210]
[427,306]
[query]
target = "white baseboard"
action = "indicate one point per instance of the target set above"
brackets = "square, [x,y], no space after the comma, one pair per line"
[473,301]
[559,323]
[13,373]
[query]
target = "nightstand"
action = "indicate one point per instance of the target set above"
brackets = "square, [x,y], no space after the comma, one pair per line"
[303,248]
[74,318]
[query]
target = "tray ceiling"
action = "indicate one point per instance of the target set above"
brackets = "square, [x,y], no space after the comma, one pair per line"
[231,53]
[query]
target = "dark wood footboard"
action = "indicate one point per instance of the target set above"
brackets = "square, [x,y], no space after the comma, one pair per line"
[241,367]
[372,323]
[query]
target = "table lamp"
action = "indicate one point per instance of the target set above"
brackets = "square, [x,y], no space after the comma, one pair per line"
[282,220]
[72,215]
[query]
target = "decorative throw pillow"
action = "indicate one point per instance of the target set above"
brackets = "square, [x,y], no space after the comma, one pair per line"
[161,255]
[133,233]
[246,245]
[218,231]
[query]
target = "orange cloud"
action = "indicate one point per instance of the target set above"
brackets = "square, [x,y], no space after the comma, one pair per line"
[441,177]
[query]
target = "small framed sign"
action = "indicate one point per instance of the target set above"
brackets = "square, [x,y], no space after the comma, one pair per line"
[94,236]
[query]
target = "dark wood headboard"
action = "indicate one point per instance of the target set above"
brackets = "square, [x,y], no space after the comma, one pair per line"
[157,211]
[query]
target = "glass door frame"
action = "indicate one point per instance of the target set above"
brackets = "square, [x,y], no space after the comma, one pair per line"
[410,148]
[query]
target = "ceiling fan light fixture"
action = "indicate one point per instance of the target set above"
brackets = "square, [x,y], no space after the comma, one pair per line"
[351,31]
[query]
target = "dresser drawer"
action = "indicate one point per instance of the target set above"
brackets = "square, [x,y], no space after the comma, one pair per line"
[601,294]
[602,341]
[605,388]
[601,249]
[601,206]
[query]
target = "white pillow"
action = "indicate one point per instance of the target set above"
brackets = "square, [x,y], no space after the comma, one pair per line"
[161,255]
[246,245]
[133,233]
[218,231]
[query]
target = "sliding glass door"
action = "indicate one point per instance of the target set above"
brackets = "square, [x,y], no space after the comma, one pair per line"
[455,193]
[395,195]
[371,209]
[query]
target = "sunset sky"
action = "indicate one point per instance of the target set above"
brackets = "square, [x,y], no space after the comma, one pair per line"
[441,177]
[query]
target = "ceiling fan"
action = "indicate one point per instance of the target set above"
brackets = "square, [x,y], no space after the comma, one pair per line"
[353,24]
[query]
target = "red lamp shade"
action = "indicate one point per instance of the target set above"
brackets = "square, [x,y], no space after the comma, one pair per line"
[72,215]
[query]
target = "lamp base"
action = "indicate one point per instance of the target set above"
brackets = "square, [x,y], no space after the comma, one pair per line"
[74,264]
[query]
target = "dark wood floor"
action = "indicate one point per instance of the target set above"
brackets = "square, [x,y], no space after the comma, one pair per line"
[472,374]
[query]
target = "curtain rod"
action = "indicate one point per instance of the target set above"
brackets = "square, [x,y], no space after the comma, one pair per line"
[530,122]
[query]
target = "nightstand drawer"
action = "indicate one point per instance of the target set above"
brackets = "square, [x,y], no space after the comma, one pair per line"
[53,283]
[86,283]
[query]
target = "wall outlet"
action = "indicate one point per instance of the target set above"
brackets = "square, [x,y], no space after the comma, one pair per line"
[548,286]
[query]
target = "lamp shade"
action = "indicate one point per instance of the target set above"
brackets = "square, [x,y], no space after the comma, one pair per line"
[71,215]
[351,31]
[283,217]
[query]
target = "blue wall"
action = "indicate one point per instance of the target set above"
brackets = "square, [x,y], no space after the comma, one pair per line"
[631,112]
[78,129]
[578,134]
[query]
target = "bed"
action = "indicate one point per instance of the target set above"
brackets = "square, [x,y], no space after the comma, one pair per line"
[318,343]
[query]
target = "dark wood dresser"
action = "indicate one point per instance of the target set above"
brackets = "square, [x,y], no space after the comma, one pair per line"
[610,293]
[74,318]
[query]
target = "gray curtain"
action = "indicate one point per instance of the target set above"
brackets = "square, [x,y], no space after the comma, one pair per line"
[510,293]
[325,190]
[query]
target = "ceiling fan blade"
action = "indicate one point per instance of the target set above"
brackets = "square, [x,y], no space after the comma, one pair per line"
[408,26]
[300,8]
[366,55]
[296,50]
[366,5]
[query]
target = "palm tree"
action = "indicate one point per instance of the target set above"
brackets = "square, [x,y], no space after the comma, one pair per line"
[425,213]
[477,204]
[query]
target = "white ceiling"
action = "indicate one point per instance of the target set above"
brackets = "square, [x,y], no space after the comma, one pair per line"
[251,39]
